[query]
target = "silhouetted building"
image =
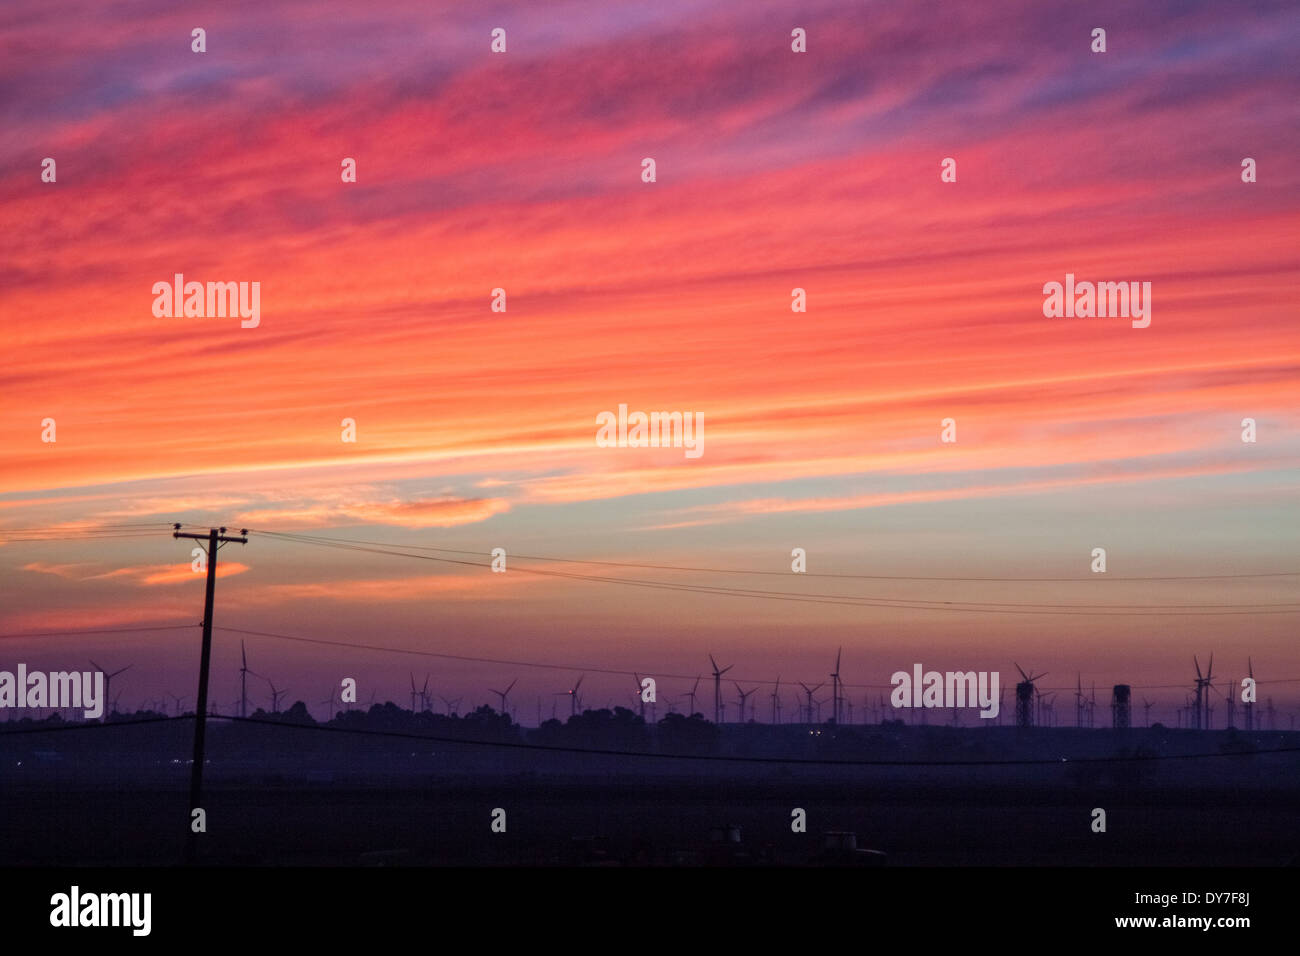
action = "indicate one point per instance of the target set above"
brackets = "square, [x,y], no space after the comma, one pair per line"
[1121,707]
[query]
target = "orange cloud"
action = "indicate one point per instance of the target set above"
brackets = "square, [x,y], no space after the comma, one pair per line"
[142,575]
[419,513]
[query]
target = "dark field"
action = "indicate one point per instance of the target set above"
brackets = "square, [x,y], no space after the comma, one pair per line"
[296,796]
[650,823]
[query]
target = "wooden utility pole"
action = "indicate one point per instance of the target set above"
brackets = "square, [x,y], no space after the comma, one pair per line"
[215,538]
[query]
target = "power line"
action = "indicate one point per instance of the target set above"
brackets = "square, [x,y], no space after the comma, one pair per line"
[83,536]
[87,526]
[582,668]
[87,726]
[99,630]
[848,600]
[808,574]
[715,758]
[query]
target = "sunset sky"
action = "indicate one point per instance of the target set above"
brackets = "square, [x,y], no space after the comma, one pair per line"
[476,429]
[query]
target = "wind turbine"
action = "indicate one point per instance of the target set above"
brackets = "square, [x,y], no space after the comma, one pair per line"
[691,695]
[776,701]
[414,693]
[1202,683]
[1249,705]
[504,695]
[178,703]
[276,694]
[819,703]
[1025,693]
[1230,701]
[717,689]
[243,680]
[640,698]
[329,699]
[1078,700]
[744,696]
[810,691]
[451,705]
[424,695]
[573,696]
[108,677]
[1049,708]
[835,687]
[1146,710]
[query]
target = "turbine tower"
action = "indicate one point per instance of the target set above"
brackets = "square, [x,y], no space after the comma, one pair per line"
[835,687]
[1249,706]
[810,691]
[573,696]
[243,680]
[1202,684]
[1025,698]
[691,695]
[1121,707]
[717,688]
[108,677]
[504,695]
[276,694]
[744,696]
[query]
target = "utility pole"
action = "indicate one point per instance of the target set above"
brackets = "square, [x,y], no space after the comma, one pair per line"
[215,537]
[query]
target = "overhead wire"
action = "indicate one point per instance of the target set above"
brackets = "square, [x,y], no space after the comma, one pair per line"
[847,600]
[613,752]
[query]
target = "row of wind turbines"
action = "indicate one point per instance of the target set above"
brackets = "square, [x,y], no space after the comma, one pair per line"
[1033,707]
[1196,714]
